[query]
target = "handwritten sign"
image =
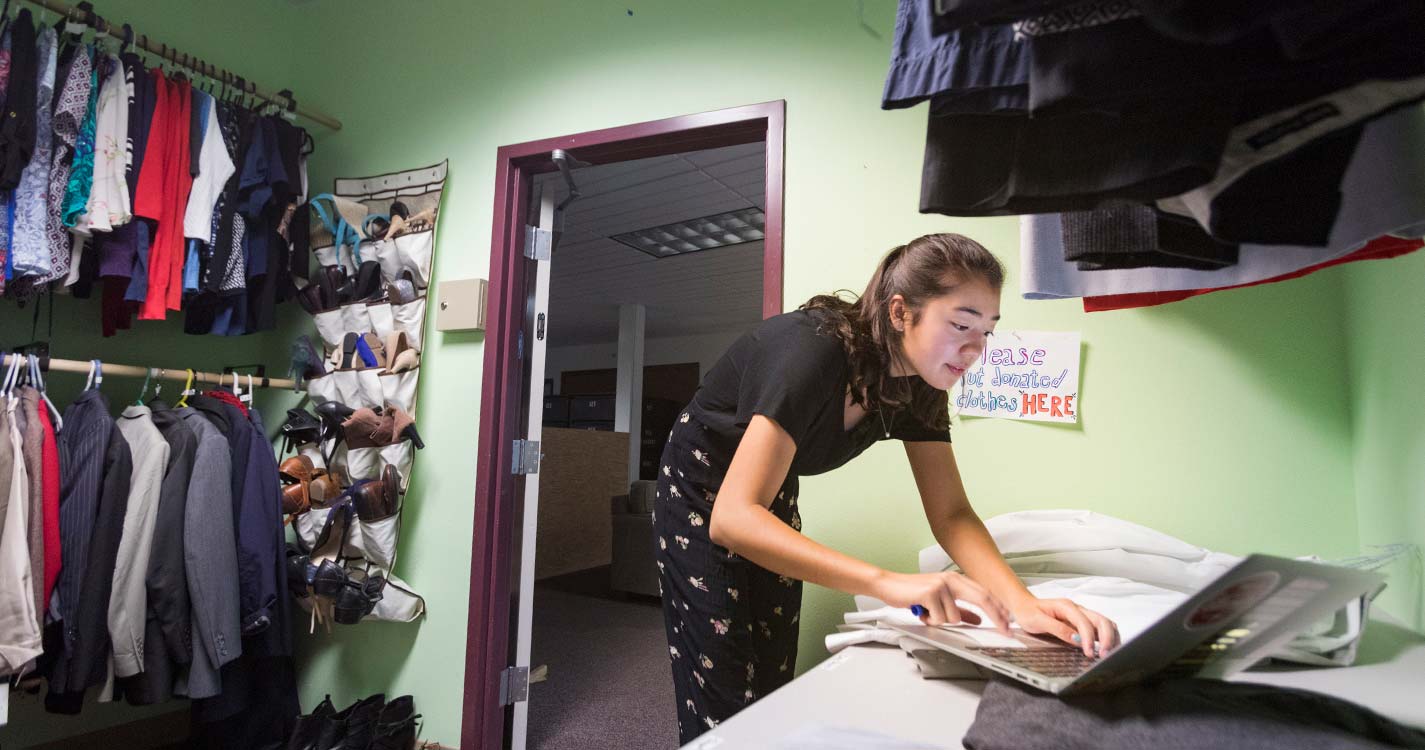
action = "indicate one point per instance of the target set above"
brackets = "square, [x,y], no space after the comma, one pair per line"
[1029,375]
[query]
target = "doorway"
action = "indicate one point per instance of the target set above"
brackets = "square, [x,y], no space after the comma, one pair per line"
[511,396]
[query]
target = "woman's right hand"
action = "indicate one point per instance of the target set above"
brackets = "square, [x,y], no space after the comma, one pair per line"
[937,592]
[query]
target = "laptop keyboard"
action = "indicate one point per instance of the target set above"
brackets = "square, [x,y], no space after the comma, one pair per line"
[1050,662]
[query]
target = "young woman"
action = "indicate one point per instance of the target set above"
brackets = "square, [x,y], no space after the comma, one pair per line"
[802,394]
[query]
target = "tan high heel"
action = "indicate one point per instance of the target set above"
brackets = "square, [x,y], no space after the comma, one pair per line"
[401,355]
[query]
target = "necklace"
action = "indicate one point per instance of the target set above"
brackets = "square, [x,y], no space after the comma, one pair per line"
[882,414]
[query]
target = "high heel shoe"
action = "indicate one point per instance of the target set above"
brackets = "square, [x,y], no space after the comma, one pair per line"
[363,429]
[357,598]
[398,425]
[401,356]
[299,429]
[332,414]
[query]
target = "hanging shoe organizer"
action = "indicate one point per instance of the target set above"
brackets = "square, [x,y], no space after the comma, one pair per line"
[374,238]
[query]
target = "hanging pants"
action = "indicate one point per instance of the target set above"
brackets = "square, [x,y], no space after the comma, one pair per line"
[731,625]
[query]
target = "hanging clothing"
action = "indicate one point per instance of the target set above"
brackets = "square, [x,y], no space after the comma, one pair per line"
[81,169]
[214,169]
[210,559]
[19,623]
[7,464]
[32,442]
[70,110]
[6,262]
[145,101]
[980,69]
[54,558]
[17,130]
[163,197]
[1137,236]
[168,646]
[128,600]
[1380,248]
[30,238]
[109,203]
[82,447]
[1381,194]
[84,657]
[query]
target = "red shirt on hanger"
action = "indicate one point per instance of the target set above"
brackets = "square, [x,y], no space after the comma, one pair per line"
[162,195]
[49,477]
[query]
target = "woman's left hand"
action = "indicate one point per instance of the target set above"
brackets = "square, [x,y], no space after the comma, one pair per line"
[1067,621]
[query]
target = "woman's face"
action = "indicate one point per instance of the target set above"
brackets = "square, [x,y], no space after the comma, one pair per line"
[950,334]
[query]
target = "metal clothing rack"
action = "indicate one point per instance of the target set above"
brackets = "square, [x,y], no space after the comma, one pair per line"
[284,99]
[84,367]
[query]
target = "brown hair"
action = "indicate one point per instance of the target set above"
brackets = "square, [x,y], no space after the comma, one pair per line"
[920,270]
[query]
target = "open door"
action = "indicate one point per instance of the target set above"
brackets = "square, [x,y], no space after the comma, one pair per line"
[511,405]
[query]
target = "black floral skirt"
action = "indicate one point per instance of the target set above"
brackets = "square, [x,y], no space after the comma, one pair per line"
[732,625]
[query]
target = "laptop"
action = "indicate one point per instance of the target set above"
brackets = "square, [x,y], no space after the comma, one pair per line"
[1233,622]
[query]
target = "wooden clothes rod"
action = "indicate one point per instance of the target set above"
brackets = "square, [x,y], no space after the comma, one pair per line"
[180,375]
[172,55]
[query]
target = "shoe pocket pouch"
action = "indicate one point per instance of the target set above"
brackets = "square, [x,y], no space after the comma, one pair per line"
[309,526]
[399,455]
[408,252]
[363,463]
[399,388]
[398,603]
[331,326]
[378,541]
[323,388]
[358,388]
[411,318]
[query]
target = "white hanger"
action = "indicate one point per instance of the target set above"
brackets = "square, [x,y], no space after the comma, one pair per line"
[10,374]
[96,375]
[246,398]
[38,379]
[158,384]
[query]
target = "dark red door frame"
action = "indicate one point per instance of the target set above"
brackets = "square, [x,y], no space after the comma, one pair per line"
[487,638]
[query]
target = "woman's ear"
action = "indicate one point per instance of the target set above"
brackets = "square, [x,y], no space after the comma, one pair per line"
[898,312]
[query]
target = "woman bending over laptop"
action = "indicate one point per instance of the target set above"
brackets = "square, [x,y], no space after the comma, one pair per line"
[801,394]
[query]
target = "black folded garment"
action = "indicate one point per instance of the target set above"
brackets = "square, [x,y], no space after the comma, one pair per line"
[994,165]
[1137,236]
[1173,714]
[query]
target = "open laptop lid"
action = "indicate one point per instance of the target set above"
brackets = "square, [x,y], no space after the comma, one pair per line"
[1232,622]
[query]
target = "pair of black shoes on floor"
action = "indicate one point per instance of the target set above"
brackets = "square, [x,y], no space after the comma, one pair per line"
[368,724]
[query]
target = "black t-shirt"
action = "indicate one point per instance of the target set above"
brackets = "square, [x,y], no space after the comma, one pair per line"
[791,372]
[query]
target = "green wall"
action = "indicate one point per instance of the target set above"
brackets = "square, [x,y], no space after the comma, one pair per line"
[1385,313]
[1225,420]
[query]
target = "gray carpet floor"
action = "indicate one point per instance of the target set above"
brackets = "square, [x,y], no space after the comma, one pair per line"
[609,683]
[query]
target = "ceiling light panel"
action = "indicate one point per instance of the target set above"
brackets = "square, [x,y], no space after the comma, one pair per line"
[705,233]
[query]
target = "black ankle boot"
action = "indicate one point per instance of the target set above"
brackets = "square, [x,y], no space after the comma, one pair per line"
[396,729]
[309,727]
[339,725]
[361,724]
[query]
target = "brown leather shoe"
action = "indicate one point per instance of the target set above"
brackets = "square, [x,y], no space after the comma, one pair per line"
[380,498]
[363,429]
[298,468]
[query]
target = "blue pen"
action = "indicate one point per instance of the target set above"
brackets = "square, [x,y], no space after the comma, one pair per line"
[917,610]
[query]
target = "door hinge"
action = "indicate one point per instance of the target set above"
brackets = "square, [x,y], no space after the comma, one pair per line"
[514,685]
[538,243]
[526,457]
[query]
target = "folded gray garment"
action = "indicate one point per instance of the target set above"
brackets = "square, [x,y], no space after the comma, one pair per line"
[1184,713]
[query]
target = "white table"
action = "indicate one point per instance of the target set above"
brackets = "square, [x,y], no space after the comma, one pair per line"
[879,689]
